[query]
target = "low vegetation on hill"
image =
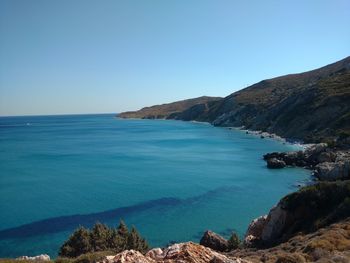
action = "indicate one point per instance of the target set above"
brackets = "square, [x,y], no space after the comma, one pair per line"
[169,110]
[312,106]
[318,205]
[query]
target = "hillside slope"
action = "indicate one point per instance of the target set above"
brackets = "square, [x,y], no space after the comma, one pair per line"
[307,106]
[310,106]
[169,110]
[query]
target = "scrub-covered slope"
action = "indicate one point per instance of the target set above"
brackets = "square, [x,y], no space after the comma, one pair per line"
[310,106]
[169,110]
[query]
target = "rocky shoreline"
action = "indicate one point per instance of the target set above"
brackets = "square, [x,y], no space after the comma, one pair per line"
[327,163]
[267,135]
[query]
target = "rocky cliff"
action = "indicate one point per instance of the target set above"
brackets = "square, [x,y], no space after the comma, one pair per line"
[330,244]
[310,106]
[304,211]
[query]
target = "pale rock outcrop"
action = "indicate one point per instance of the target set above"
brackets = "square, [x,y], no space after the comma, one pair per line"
[255,230]
[128,256]
[177,253]
[328,164]
[155,253]
[42,257]
[275,223]
[214,241]
[315,149]
[331,171]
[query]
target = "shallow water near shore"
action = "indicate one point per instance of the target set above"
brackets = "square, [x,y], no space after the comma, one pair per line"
[171,179]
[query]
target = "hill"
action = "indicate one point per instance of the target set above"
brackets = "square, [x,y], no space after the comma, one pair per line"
[308,106]
[311,106]
[169,110]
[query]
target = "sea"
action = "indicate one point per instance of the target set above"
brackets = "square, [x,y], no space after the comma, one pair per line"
[173,180]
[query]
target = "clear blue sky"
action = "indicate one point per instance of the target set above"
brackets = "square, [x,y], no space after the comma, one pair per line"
[81,56]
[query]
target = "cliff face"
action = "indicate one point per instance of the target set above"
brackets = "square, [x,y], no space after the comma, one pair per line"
[306,211]
[309,106]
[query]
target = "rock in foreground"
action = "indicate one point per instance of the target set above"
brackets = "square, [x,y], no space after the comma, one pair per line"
[182,252]
[254,231]
[42,257]
[214,241]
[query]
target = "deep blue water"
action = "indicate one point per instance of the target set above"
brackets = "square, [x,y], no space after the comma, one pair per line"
[171,179]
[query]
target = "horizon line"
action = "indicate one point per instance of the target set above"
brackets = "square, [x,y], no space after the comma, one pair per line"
[58,114]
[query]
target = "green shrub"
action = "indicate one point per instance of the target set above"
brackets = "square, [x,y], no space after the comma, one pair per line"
[234,241]
[101,238]
[78,243]
[136,242]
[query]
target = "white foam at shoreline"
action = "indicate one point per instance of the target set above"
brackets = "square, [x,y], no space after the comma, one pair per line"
[272,136]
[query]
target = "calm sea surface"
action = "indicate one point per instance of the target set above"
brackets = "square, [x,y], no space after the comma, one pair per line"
[171,179]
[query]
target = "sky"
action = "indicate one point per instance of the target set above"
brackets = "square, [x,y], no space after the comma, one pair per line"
[109,56]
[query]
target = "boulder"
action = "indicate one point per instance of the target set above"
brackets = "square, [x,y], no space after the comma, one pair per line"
[191,252]
[177,253]
[42,257]
[277,155]
[128,256]
[315,149]
[254,231]
[274,225]
[295,158]
[332,171]
[326,157]
[275,163]
[214,241]
[155,253]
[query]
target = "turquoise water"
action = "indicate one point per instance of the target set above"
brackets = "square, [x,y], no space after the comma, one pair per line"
[171,179]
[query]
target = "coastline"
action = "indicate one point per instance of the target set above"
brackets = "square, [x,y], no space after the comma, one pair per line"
[267,135]
[256,133]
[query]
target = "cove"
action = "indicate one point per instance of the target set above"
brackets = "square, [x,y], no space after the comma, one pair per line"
[171,179]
